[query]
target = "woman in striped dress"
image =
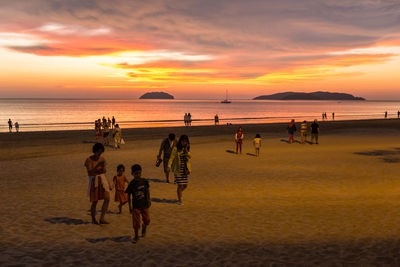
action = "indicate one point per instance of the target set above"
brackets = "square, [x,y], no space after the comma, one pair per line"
[179,162]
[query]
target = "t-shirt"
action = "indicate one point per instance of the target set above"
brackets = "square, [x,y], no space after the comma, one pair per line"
[139,189]
[314,128]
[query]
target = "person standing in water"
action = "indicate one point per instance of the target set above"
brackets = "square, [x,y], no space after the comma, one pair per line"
[10,125]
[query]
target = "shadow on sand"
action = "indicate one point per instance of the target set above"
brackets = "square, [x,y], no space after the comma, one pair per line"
[163,200]
[389,156]
[117,239]
[66,220]
[251,154]
[230,151]
[294,141]
[155,180]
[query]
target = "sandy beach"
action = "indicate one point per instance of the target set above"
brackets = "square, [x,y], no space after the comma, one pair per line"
[332,204]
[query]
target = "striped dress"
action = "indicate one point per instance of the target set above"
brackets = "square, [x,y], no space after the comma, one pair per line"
[183,176]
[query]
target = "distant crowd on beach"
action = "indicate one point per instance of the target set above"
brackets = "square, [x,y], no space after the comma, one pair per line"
[104,128]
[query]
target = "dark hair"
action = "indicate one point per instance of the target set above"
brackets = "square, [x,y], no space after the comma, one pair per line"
[181,138]
[97,147]
[171,136]
[120,166]
[258,136]
[136,167]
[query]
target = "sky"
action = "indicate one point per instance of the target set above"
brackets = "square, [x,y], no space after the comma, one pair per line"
[198,49]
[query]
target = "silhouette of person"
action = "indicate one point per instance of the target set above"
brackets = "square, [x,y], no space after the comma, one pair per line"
[16,126]
[189,116]
[398,114]
[216,119]
[10,125]
[333,115]
[385,114]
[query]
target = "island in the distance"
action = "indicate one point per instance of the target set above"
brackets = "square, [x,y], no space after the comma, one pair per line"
[308,96]
[156,95]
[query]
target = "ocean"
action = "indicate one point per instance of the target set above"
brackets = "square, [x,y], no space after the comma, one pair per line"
[75,114]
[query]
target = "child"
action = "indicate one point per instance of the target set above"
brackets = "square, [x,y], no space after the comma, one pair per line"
[138,190]
[119,183]
[239,140]
[98,186]
[257,144]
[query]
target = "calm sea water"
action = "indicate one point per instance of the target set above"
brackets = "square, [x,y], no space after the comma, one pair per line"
[61,114]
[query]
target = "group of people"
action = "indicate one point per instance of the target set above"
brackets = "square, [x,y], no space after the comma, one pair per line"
[187,119]
[106,127]
[325,117]
[176,157]
[10,126]
[304,130]
[239,136]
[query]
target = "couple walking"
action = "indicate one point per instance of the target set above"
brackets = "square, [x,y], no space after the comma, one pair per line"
[176,158]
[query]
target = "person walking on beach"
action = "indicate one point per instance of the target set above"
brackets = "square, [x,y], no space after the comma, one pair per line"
[139,201]
[119,181]
[16,126]
[98,186]
[239,135]
[216,119]
[106,133]
[303,132]
[291,130]
[98,129]
[314,131]
[10,125]
[113,122]
[180,164]
[385,114]
[333,115]
[185,119]
[189,117]
[117,134]
[257,144]
[398,114]
[166,148]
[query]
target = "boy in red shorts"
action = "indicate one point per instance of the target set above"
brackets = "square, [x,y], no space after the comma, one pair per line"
[139,201]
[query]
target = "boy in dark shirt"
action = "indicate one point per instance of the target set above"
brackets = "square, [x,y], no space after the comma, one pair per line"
[138,191]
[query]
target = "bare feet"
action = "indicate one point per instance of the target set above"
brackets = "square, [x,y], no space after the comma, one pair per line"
[135,239]
[94,221]
[104,222]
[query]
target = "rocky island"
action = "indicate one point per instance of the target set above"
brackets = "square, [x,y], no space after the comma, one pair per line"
[308,96]
[156,95]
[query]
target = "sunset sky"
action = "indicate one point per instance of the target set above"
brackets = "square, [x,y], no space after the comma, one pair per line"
[199,49]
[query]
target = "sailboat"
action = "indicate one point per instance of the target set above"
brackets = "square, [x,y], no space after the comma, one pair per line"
[226,101]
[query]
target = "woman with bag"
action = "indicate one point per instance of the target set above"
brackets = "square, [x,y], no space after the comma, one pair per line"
[180,164]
